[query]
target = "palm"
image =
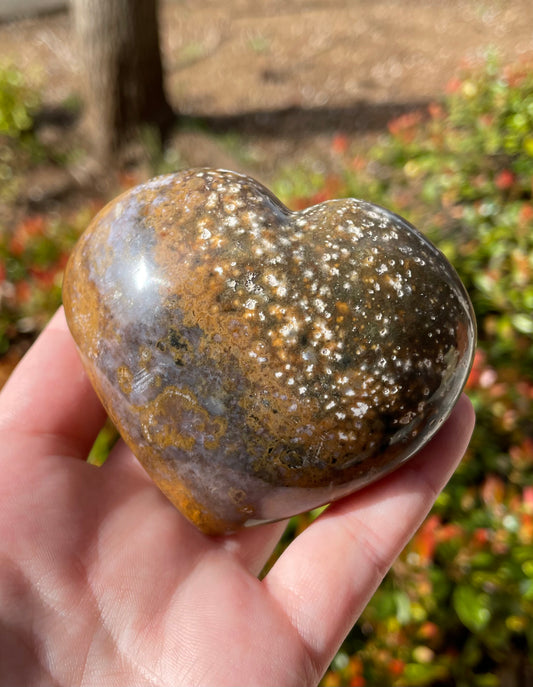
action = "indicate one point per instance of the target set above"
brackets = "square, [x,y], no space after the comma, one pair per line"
[103,582]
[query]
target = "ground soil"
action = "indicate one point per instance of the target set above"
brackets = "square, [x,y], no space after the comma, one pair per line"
[277,79]
[261,85]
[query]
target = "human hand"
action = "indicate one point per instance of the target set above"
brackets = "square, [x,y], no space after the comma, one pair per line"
[102,581]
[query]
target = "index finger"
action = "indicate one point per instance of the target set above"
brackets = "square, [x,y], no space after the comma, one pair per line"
[49,394]
[329,573]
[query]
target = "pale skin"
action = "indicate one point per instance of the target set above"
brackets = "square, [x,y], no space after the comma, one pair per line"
[103,582]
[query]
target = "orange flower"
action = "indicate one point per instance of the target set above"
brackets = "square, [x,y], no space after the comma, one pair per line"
[425,541]
[331,679]
[449,531]
[355,665]
[429,630]
[526,528]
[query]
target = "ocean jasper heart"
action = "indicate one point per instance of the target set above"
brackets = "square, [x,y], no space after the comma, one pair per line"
[261,362]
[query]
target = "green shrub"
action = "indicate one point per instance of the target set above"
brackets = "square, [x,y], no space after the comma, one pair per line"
[19,147]
[18,103]
[457,607]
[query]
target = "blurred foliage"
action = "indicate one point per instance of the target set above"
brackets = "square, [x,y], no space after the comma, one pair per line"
[457,607]
[18,145]
[33,256]
[18,103]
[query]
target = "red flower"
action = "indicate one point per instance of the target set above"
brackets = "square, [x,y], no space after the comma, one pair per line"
[493,490]
[527,498]
[481,535]
[504,180]
[17,244]
[339,144]
[522,454]
[44,277]
[453,85]
[329,191]
[435,111]
[404,126]
[22,291]
[358,163]
[29,227]
[477,368]
[63,259]
[33,226]
[396,666]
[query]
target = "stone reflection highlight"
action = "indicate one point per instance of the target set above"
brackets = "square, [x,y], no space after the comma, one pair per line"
[260,362]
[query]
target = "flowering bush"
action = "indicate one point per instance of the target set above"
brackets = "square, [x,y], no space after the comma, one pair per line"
[18,145]
[32,259]
[457,607]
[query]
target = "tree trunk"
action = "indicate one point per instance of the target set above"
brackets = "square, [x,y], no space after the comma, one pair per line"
[118,42]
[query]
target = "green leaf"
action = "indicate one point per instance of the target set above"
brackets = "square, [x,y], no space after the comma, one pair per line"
[523,322]
[472,607]
[487,680]
[403,607]
[527,567]
[424,673]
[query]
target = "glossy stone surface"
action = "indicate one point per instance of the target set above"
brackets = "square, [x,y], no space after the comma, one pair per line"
[259,362]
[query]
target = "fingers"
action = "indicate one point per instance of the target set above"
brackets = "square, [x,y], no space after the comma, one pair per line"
[329,573]
[254,546]
[49,394]
[250,546]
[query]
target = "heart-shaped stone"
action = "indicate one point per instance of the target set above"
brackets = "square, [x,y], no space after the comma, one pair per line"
[261,362]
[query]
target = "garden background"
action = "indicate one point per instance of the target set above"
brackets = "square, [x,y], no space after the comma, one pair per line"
[424,107]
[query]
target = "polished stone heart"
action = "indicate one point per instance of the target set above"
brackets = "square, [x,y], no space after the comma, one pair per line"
[261,362]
